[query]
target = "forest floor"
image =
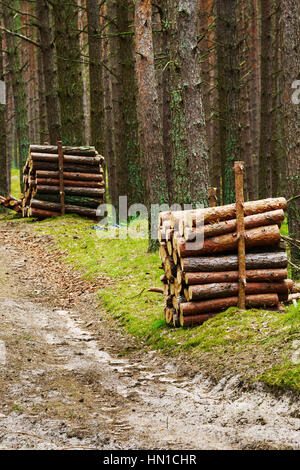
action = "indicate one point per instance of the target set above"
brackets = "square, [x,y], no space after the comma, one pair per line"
[73,377]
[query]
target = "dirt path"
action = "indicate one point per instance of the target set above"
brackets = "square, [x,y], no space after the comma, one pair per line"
[63,384]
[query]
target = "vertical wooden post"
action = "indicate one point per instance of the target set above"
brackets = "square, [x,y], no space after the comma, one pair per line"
[61,177]
[212,196]
[239,191]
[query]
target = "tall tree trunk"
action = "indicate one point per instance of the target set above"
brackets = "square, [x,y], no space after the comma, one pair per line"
[70,90]
[129,164]
[18,88]
[291,72]
[163,69]
[278,144]
[255,88]
[190,154]
[4,181]
[229,90]
[148,107]
[43,123]
[265,155]
[95,74]
[49,70]
[110,151]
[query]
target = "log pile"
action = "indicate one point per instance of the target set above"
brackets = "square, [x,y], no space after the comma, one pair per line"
[199,254]
[11,203]
[59,180]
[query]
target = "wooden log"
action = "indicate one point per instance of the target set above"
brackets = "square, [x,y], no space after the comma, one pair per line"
[61,177]
[166,290]
[170,268]
[178,288]
[195,320]
[229,226]
[181,276]
[163,217]
[212,197]
[69,176]
[218,290]
[222,304]
[255,275]
[83,201]
[261,236]
[68,167]
[161,235]
[87,151]
[168,301]
[163,251]
[169,312]
[41,214]
[230,262]
[170,248]
[177,301]
[175,257]
[219,213]
[70,209]
[76,160]
[68,183]
[69,190]
[176,320]
[241,232]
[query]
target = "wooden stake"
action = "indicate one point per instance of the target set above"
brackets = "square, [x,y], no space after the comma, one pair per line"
[212,196]
[61,177]
[239,190]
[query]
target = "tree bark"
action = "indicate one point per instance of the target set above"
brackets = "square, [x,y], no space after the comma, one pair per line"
[95,74]
[218,305]
[149,113]
[229,211]
[255,275]
[229,226]
[230,262]
[70,83]
[265,156]
[291,72]
[49,70]
[22,128]
[212,291]
[4,182]
[261,236]
[229,92]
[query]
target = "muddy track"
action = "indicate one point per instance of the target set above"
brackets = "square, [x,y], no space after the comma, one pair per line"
[64,385]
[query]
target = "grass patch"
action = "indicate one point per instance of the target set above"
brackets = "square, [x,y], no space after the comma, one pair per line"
[256,344]
[15,183]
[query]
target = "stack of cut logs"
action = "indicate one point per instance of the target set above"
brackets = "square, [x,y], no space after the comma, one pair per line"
[81,180]
[11,203]
[198,249]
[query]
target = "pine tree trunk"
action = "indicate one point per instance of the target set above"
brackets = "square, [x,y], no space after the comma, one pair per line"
[265,156]
[148,107]
[95,74]
[49,70]
[70,89]
[110,152]
[4,184]
[22,128]
[190,152]
[229,89]
[291,68]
